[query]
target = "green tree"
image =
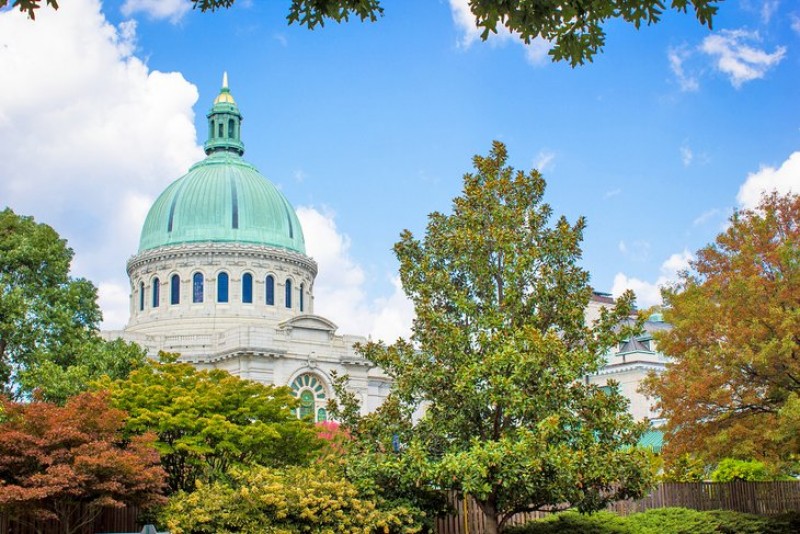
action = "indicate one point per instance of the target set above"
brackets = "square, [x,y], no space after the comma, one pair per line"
[45,315]
[731,389]
[574,27]
[210,421]
[498,356]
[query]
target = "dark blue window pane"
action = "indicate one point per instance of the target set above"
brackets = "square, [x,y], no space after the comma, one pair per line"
[175,290]
[270,290]
[247,288]
[301,297]
[141,296]
[197,287]
[156,292]
[222,287]
[288,293]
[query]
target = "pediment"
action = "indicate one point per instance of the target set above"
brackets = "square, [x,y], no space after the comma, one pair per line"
[309,322]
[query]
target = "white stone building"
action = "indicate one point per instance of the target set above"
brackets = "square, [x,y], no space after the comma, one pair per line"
[222,277]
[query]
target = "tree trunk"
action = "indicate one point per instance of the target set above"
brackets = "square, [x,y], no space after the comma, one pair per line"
[489,509]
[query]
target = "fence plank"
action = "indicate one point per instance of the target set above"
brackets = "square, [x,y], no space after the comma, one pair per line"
[763,498]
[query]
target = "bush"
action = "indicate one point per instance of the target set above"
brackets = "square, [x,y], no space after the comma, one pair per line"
[283,501]
[731,469]
[662,521]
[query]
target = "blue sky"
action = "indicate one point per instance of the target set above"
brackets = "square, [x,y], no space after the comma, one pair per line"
[367,128]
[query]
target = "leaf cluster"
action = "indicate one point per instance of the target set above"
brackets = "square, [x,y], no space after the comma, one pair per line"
[29,6]
[732,387]
[45,315]
[54,458]
[661,521]
[498,358]
[287,500]
[210,421]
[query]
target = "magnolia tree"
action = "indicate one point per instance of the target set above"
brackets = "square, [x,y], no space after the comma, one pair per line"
[498,359]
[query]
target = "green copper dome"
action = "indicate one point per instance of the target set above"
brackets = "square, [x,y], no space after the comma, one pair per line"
[223,198]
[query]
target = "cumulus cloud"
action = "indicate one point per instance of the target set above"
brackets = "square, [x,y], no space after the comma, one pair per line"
[785,179]
[172,10]
[535,52]
[91,136]
[649,293]
[339,291]
[736,55]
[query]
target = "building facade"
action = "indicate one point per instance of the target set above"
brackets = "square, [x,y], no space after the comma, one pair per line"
[222,278]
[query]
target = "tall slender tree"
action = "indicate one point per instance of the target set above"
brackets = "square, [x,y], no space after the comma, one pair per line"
[499,353]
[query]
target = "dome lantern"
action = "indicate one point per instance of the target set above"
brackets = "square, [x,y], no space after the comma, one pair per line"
[224,123]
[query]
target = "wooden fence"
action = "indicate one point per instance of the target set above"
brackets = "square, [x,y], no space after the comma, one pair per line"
[109,520]
[764,498]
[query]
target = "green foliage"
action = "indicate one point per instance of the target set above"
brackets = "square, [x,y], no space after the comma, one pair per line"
[575,28]
[497,360]
[210,421]
[54,383]
[288,500]
[731,469]
[685,468]
[662,521]
[46,317]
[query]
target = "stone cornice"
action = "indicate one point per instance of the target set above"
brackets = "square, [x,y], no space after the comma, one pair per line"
[210,249]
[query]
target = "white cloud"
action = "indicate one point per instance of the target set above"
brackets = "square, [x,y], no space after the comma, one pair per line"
[91,136]
[740,61]
[339,292]
[174,10]
[649,293]
[544,160]
[705,217]
[768,8]
[686,155]
[677,57]
[785,179]
[795,23]
[535,52]
[612,193]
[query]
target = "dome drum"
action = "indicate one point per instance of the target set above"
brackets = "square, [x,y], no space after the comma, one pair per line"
[218,286]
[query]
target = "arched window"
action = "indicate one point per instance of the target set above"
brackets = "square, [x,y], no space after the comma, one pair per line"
[270,283]
[156,292]
[308,388]
[220,130]
[231,133]
[197,287]
[222,287]
[175,289]
[247,288]
[301,296]
[288,293]
[141,296]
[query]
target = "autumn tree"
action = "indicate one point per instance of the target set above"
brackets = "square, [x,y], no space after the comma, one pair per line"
[210,421]
[68,463]
[575,28]
[733,386]
[498,356]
